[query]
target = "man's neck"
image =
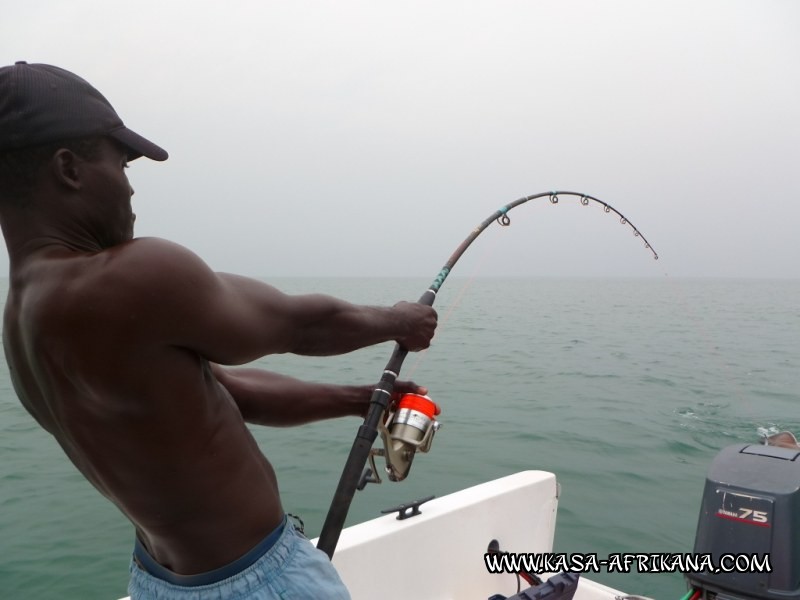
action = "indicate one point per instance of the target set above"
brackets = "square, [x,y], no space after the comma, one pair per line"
[31,235]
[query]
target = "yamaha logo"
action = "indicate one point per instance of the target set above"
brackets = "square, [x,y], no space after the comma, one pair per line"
[746,515]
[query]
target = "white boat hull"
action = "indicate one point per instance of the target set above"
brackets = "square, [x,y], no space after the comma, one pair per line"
[439,554]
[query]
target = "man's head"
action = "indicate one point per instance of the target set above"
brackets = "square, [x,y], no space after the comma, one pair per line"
[40,104]
[44,108]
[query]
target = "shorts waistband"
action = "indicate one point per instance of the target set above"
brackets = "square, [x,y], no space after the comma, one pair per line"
[142,557]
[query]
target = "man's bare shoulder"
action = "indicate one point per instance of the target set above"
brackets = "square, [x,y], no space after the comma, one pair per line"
[137,279]
[149,257]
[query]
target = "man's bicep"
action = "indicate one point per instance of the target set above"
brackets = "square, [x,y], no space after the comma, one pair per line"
[252,319]
[225,318]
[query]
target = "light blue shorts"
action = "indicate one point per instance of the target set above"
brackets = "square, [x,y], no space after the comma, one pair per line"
[291,569]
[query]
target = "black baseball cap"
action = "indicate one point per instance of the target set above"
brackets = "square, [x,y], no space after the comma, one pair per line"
[41,103]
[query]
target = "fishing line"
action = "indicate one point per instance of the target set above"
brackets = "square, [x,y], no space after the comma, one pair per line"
[352,473]
[488,252]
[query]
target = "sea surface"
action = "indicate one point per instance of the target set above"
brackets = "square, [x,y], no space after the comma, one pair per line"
[626,389]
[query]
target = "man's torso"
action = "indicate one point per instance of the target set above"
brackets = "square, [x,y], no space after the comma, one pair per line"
[142,418]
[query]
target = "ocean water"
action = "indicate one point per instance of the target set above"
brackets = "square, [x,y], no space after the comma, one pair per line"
[626,389]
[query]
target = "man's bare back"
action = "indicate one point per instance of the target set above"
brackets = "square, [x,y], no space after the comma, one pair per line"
[143,418]
[116,346]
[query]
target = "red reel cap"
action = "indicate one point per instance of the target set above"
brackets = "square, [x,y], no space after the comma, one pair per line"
[419,403]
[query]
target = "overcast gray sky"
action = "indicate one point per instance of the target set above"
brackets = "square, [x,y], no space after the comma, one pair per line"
[368,138]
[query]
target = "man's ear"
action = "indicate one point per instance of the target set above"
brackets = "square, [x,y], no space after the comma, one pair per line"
[65,167]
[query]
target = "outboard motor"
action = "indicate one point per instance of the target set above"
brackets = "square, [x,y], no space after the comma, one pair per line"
[751,508]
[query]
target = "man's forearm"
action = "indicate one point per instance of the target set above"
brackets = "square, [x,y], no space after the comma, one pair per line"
[338,327]
[266,398]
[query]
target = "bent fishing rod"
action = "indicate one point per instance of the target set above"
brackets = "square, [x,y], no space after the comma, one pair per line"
[398,461]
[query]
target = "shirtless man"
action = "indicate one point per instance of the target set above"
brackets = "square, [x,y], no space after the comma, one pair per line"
[115,346]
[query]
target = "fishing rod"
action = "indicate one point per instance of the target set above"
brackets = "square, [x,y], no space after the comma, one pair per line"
[399,449]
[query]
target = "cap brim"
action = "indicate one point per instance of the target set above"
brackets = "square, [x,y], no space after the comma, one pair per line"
[138,145]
